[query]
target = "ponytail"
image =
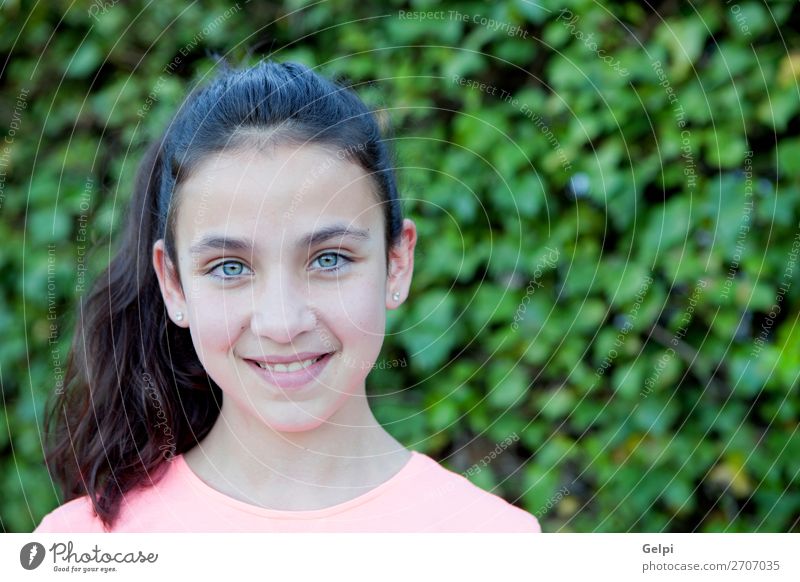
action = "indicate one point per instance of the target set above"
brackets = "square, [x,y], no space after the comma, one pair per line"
[135,393]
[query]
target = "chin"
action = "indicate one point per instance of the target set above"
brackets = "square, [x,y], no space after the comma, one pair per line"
[303,423]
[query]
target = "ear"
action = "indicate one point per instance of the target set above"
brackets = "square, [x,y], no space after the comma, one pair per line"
[401,265]
[168,281]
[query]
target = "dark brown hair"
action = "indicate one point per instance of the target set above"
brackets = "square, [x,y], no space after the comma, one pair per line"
[135,391]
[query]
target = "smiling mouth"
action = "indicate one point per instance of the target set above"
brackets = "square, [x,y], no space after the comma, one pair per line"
[291,367]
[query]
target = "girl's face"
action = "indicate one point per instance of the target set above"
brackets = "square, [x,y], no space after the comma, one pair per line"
[282,258]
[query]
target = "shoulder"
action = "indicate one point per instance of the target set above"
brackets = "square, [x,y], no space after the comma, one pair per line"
[76,516]
[460,504]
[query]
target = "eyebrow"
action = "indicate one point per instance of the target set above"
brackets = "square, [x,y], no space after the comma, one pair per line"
[217,242]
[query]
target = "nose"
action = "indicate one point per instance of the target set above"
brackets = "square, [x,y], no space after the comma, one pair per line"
[281,309]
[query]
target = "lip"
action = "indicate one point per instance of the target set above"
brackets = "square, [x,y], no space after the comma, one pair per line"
[290,380]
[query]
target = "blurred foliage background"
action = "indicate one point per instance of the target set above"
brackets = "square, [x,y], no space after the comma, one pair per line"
[607,203]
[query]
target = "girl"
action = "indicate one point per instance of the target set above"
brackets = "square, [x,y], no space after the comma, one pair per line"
[217,377]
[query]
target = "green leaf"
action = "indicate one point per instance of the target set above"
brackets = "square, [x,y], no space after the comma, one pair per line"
[508,384]
[84,61]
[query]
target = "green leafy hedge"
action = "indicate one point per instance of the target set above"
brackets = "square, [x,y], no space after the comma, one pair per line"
[607,204]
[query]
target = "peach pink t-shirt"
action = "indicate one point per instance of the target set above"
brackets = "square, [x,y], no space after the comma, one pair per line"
[422,497]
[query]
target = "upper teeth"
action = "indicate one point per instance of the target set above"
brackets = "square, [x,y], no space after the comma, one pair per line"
[293,367]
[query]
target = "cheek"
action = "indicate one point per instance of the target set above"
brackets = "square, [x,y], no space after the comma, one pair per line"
[217,321]
[361,312]
[360,324]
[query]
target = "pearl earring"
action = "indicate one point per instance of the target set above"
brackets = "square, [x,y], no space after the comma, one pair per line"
[396,296]
[178,316]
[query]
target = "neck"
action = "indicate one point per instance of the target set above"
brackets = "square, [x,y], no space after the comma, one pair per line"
[345,456]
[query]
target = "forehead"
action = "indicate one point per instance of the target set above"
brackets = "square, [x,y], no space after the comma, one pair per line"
[282,190]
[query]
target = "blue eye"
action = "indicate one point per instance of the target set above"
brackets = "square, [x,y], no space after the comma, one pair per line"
[330,261]
[230,270]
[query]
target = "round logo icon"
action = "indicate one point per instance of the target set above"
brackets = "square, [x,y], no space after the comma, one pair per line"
[31,555]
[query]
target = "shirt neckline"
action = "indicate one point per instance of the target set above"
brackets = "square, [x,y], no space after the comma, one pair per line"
[184,470]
